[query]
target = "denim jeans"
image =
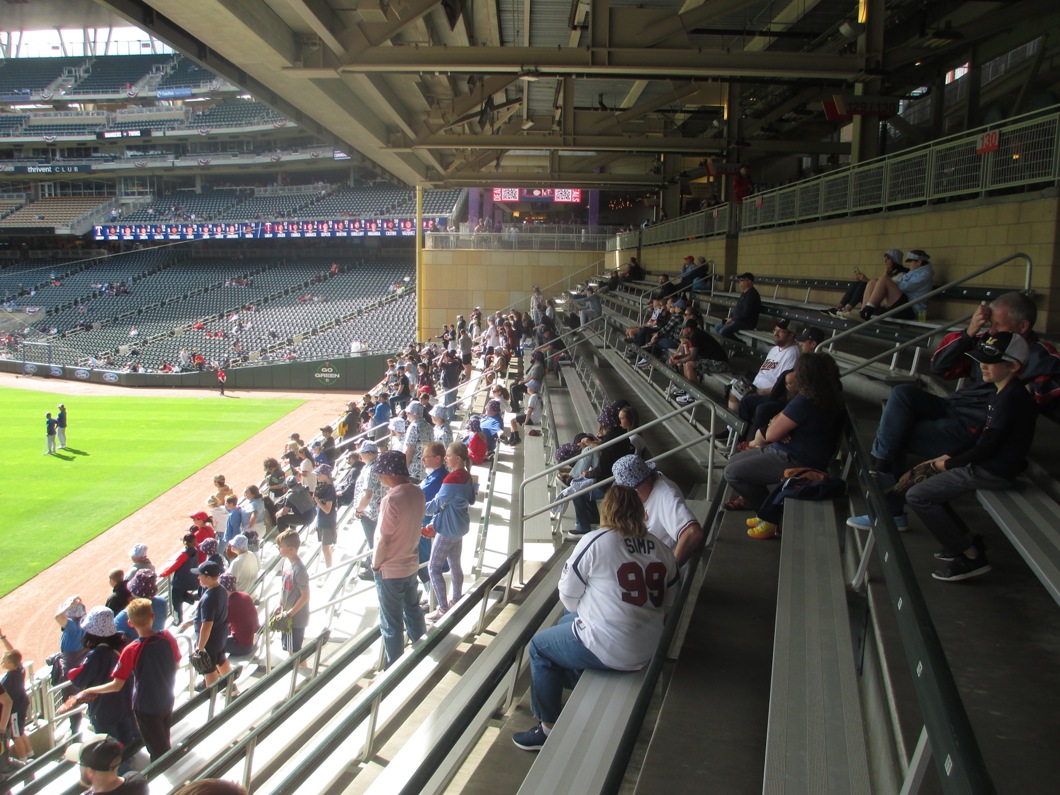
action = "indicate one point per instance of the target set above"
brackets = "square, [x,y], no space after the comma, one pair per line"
[368,525]
[728,330]
[557,659]
[586,511]
[449,403]
[749,405]
[424,552]
[399,610]
[918,422]
[662,345]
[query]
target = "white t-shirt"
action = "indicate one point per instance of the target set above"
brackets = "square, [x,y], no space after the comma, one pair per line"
[777,361]
[533,409]
[245,568]
[668,515]
[620,589]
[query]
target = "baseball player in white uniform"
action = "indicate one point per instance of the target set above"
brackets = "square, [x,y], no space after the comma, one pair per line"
[668,516]
[617,586]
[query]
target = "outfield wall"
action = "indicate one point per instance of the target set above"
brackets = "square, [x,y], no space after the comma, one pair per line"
[351,374]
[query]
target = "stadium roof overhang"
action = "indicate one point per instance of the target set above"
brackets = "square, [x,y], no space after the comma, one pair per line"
[591,92]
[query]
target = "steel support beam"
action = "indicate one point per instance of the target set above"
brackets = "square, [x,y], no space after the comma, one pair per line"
[615,63]
[616,143]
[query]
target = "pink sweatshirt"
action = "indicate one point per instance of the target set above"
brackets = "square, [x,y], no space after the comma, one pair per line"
[397,534]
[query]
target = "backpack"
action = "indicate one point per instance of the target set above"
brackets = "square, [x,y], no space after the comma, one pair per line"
[803,483]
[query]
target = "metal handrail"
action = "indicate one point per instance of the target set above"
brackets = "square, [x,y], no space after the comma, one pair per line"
[959,761]
[926,188]
[369,698]
[484,519]
[890,352]
[968,277]
[610,443]
[565,334]
[610,479]
[566,279]
[244,747]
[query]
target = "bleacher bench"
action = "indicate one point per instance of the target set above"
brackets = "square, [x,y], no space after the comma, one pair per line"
[815,740]
[1027,515]
[428,759]
[581,750]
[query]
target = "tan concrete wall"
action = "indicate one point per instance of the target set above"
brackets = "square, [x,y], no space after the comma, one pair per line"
[960,237]
[452,281]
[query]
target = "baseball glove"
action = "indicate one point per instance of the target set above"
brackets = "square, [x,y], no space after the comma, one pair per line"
[279,622]
[917,474]
[202,662]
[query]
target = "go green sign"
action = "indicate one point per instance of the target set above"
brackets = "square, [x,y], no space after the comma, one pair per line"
[327,374]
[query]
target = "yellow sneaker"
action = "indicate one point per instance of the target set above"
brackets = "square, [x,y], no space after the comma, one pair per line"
[754,521]
[763,530]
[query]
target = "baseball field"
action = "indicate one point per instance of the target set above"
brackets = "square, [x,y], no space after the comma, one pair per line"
[122,453]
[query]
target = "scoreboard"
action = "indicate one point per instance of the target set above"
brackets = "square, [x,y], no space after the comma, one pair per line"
[264,230]
[558,195]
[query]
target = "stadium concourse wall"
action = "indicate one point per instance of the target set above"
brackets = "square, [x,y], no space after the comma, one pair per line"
[960,236]
[453,280]
[351,374]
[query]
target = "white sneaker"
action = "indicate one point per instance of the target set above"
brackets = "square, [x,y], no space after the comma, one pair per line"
[436,616]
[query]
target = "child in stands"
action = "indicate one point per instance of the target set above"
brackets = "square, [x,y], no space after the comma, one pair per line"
[14,684]
[998,455]
[151,662]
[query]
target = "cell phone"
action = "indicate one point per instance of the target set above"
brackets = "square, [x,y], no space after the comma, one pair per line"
[857,271]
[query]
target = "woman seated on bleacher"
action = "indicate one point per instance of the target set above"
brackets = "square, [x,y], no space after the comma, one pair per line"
[904,290]
[612,622]
[610,428]
[862,284]
[805,434]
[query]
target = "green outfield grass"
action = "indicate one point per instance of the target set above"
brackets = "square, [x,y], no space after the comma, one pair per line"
[123,453]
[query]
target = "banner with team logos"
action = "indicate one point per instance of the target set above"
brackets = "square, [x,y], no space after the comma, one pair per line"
[267,230]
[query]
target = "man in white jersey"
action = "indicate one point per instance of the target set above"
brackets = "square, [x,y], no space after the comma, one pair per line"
[668,516]
[781,358]
[617,586]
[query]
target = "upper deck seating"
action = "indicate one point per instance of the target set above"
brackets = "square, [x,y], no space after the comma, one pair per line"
[33,74]
[53,211]
[114,74]
[187,74]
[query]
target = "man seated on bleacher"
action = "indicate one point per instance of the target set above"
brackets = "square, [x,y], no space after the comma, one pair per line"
[698,353]
[666,287]
[930,426]
[588,306]
[294,508]
[667,514]
[634,271]
[637,335]
[993,462]
[745,312]
[668,335]
[693,270]
[781,358]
